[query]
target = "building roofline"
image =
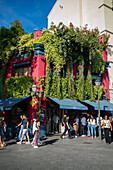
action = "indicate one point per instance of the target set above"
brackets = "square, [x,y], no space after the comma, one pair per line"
[52,8]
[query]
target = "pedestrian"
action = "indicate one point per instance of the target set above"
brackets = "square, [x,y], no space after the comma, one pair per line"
[63,127]
[36,126]
[25,129]
[55,120]
[1,143]
[75,127]
[112,130]
[93,127]
[77,123]
[88,127]
[106,124]
[66,125]
[2,131]
[83,122]
[20,129]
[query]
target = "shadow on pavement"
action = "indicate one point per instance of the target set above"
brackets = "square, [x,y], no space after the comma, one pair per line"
[11,143]
[50,142]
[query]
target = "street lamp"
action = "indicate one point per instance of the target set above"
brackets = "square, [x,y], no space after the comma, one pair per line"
[97,83]
[34,88]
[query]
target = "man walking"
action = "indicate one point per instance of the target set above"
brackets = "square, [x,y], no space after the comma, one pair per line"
[65,123]
[25,123]
[83,121]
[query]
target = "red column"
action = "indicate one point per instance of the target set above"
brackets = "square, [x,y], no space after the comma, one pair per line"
[105,77]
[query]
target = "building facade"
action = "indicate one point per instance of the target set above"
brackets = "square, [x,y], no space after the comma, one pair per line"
[94,13]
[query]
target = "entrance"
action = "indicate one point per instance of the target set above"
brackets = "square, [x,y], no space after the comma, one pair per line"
[52,121]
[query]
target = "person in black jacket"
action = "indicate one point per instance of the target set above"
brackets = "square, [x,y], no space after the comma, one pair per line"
[66,125]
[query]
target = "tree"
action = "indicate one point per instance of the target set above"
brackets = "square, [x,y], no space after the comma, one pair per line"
[8,37]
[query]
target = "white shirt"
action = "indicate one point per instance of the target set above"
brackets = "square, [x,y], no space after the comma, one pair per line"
[106,124]
[55,119]
[83,121]
[93,122]
[88,121]
[35,126]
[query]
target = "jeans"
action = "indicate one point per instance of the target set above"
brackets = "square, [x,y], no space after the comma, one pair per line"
[88,129]
[20,134]
[55,127]
[83,129]
[2,133]
[66,129]
[93,128]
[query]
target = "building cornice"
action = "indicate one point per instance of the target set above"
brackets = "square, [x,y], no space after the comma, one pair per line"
[110,32]
[111,8]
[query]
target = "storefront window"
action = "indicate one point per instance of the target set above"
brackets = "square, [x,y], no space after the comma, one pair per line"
[21,71]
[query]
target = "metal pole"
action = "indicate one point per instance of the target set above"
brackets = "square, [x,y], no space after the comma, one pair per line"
[99,115]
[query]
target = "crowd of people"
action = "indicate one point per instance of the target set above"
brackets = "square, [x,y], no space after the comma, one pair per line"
[86,125]
[24,131]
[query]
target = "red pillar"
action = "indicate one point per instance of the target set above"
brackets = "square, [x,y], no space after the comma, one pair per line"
[105,77]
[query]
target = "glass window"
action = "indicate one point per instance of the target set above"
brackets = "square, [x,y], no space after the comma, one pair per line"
[21,71]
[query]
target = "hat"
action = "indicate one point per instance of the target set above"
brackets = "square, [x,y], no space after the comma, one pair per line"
[34,120]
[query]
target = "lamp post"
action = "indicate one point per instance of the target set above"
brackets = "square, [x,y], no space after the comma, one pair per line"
[34,88]
[97,83]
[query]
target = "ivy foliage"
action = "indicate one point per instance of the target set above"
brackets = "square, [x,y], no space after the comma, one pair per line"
[63,47]
[17,86]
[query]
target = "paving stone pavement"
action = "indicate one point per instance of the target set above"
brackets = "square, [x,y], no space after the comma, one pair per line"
[80,153]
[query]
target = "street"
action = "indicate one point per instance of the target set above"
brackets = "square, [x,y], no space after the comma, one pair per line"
[58,154]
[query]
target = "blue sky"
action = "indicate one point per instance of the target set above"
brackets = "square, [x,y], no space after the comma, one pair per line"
[31,13]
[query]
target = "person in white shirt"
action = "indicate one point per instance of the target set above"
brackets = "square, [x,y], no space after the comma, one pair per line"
[93,127]
[83,121]
[107,125]
[55,120]
[36,126]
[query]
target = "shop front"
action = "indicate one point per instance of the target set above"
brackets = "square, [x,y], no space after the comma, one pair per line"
[56,107]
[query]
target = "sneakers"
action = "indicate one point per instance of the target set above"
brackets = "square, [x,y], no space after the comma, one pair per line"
[40,144]
[35,147]
[75,136]
[32,143]
[62,137]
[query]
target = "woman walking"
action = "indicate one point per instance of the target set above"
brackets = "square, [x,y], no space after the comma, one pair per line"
[106,124]
[88,127]
[36,132]
[93,127]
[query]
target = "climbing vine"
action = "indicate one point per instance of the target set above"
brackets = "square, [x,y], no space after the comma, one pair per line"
[65,46]
[17,86]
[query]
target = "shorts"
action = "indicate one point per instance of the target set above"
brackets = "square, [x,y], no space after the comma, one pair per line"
[25,131]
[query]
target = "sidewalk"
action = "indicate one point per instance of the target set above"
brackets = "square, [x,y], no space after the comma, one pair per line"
[58,154]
